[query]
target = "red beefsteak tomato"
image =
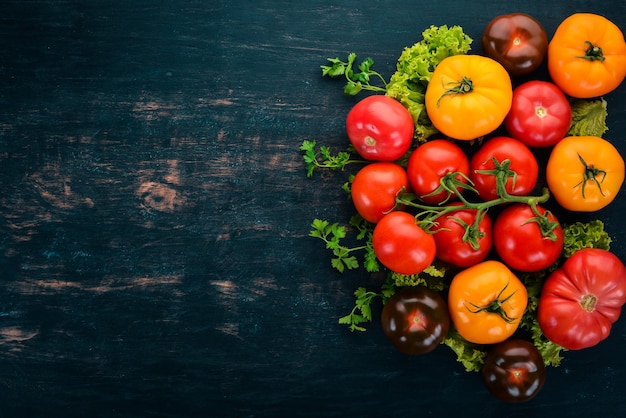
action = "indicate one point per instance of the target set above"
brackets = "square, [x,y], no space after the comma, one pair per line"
[582,299]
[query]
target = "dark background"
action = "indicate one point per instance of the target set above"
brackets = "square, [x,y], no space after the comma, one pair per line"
[154,213]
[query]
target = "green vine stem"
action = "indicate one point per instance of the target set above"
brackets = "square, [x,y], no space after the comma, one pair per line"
[428,214]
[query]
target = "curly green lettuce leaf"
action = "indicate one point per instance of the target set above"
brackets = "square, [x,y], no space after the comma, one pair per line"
[433,277]
[581,235]
[471,356]
[588,117]
[415,68]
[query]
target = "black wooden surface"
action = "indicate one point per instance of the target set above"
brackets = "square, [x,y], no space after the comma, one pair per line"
[154,214]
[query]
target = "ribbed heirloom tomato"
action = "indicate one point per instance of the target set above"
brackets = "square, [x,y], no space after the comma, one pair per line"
[582,299]
[587,56]
[468,96]
[486,302]
[584,173]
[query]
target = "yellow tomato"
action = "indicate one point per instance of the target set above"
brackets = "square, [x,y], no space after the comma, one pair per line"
[587,56]
[486,302]
[468,96]
[584,173]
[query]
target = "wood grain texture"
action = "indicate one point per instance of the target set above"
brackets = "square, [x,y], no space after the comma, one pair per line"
[154,214]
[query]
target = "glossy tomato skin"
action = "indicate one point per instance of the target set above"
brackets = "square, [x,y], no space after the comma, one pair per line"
[522,161]
[380,128]
[486,302]
[587,56]
[454,242]
[469,97]
[520,242]
[375,187]
[415,320]
[514,371]
[540,114]
[585,173]
[517,41]
[581,300]
[401,245]
[429,163]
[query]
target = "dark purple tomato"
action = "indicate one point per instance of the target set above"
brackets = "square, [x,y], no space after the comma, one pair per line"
[415,319]
[514,371]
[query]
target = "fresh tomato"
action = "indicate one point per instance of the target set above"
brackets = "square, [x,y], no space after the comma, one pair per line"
[401,245]
[587,56]
[486,302]
[516,165]
[375,187]
[433,161]
[581,300]
[540,114]
[380,128]
[584,173]
[415,319]
[514,371]
[468,96]
[517,41]
[527,240]
[461,239]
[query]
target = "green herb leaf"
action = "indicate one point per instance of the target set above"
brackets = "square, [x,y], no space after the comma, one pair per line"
[588,117]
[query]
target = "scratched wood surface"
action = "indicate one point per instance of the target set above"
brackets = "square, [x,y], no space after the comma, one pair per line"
[154,212]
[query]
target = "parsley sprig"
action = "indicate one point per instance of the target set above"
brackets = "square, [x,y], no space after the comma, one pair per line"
[362,311]
[321,157]
[344,258]
[356,80]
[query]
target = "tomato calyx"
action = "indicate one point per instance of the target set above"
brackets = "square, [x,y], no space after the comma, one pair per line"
[546,226]
[588,302]
[593,53]
[495,306]
[590,173]
[450,183]
[459,87]
[502,171]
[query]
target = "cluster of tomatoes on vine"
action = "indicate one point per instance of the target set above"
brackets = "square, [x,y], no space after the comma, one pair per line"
[433,201]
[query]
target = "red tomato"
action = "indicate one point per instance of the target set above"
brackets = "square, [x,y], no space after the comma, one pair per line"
[415,319]
[540,114]
[460,240]
[516,164]
[514,371]
[380,128]
[375,187]
[581,300]
[401,245]
[432,161]
[526,242]
[517,41]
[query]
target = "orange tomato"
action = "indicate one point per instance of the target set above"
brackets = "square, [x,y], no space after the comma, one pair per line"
[587,56]
[584,173]
[468,96]
[486,302]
